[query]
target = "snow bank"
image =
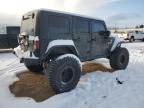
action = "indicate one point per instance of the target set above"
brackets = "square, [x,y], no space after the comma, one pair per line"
[95,90]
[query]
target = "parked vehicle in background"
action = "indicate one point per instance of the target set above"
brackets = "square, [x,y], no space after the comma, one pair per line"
[122,35]
[135,35]
[8,38]
[57,42]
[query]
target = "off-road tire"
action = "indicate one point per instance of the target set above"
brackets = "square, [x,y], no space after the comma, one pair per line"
[34,68]
[63,74]
[119,58]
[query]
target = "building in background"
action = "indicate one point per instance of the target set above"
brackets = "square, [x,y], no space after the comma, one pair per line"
[8,36]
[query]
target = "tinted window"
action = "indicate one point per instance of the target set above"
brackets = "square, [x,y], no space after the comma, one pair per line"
[58,24]
[82,25]
[98,26]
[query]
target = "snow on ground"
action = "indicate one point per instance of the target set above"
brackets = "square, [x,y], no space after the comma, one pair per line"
[95,90]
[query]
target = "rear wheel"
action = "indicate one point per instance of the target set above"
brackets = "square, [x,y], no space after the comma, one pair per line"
[34,68]
[119,58]
[63,74]
[132,39]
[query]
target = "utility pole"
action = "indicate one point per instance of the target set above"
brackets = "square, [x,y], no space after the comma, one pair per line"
[115,29]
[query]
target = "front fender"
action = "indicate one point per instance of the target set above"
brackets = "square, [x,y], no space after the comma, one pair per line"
[116,43]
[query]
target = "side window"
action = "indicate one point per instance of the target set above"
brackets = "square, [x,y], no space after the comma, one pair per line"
[82,25]
[58,24]
[98,26]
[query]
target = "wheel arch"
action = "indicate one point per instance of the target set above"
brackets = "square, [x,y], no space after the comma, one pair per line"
[58,50]
[132,36]
[116,43]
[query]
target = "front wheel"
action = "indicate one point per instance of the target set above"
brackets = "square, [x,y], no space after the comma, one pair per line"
[119,58]
[63,74]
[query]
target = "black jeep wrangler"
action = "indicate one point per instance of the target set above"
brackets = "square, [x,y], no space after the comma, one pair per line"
[56,43]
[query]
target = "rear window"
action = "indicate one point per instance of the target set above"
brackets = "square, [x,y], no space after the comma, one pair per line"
[58,24]
[27,24]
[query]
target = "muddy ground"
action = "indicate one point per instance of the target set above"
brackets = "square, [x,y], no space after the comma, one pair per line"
[36,86]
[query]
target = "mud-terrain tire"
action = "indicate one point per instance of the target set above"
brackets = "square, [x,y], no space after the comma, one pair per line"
[132,39]
[34,68]
[63,74]
[119,58]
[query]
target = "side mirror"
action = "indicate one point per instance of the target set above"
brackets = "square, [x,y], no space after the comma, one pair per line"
[108,33]
[105,33]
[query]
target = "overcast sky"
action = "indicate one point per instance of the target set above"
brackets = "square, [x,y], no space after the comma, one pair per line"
[114,12]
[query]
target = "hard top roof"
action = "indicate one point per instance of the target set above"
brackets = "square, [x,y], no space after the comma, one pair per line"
[62,12]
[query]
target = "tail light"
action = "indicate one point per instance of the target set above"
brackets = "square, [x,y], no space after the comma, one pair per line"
[36,43]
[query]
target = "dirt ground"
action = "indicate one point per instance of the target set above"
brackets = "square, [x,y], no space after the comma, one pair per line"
[36,86]
[91,67]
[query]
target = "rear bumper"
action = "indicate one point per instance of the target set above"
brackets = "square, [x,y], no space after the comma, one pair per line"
[27,55]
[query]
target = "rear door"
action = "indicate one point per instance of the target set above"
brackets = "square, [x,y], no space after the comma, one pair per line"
[136,34]
[27,29]
[81,37]
[99,43]
[140,35]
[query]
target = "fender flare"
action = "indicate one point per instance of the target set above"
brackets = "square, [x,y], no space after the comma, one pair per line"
[116,43]
[60,47]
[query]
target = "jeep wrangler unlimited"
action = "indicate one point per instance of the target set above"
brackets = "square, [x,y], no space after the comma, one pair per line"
[56,43]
